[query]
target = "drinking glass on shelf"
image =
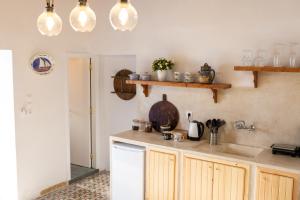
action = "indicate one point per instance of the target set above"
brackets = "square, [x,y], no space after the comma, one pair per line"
[293,54]
[247,58]
[260,59]
[278,50]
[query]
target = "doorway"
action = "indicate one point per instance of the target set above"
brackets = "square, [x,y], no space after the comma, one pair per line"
[80,117]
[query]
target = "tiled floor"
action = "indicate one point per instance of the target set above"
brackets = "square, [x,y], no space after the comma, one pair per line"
[95,187]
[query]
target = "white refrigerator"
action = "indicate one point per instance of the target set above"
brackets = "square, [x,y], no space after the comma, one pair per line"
[127,172]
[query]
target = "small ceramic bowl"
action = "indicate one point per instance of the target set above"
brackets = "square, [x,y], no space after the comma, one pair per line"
[146,77]
[134,76]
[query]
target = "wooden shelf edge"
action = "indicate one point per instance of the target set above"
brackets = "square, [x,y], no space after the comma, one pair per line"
[255,70]
[268,69]
[217,86]
[213,87]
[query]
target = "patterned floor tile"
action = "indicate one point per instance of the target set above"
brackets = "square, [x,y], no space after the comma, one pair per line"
[95,187]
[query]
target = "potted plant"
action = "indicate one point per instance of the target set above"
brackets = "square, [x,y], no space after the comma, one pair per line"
[161,66]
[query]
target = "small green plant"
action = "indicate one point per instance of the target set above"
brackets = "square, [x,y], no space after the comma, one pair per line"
[162,64]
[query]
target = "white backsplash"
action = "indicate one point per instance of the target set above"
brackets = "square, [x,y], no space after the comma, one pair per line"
[274,108]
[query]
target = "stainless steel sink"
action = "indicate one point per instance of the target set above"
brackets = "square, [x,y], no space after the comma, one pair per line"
[239,150]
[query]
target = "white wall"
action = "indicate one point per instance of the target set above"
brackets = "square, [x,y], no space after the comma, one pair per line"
[8,167]
[115,114]
[41,137]
[192,32]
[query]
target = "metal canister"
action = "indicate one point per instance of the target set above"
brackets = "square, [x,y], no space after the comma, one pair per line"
[213,138]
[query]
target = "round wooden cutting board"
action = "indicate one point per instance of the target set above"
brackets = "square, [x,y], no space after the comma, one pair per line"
[163,113]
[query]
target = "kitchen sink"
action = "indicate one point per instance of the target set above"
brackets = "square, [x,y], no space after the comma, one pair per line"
[239,150]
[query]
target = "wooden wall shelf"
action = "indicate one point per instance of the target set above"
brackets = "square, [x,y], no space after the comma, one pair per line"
[256,70]
[213,87]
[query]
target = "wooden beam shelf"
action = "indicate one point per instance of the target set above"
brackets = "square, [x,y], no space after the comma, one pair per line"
[255,70]
[213,87]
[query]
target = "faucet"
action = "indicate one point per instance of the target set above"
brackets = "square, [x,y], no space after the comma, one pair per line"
[242,125]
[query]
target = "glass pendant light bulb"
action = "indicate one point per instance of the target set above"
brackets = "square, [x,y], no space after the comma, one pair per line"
[123,16]
[82,17]
[49,23]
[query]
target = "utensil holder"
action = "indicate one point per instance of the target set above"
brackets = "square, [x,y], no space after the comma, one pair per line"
[213,138]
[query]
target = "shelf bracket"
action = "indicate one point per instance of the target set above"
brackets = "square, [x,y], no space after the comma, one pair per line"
[255,79]
[215,95]
[145,90]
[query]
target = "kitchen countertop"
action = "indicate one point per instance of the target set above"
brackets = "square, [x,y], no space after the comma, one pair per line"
[264,159]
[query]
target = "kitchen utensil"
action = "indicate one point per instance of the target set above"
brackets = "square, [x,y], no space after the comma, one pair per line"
[213,140]
[163,113]
[121,89]
[134,76]
[214,125]
[196,130]
[206,74]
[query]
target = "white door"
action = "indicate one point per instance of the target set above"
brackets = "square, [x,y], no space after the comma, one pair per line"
[79,105]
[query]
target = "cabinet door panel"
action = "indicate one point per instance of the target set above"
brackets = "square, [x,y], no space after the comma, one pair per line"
[198,179]
[275,187]
[161,176]
[229,182]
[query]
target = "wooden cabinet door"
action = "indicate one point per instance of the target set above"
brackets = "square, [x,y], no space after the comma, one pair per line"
[274,187]
[229,182]
[198,179]
[161,175]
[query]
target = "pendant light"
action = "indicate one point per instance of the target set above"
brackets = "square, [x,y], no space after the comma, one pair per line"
[49,23]
[82,17]
[123,16]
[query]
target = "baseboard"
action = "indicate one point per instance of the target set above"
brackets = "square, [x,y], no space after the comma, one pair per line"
[54,188]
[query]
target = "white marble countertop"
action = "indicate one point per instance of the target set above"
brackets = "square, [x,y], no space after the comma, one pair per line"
[264,159]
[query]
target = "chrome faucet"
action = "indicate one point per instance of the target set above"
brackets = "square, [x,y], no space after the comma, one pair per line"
[242,125]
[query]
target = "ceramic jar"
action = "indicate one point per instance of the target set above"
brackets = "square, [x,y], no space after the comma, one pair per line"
[146,77]
[206,74]
[134,76]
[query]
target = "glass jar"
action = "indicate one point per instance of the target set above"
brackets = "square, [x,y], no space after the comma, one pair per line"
[135,124]
[148,127]
[142,126]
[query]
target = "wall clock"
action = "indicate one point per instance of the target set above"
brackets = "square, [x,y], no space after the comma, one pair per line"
[42,63]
